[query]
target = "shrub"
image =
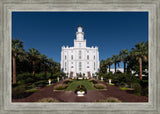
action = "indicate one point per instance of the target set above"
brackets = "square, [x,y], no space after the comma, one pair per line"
[137,88]
[67,81]
[29,80]
[40,76]
[144,86]
[81,88]
[48,100]
[121,77]
[100,86]
[25,78]
[60,87]
[108,76]
[144,91]
[31,86]
[21,82]
[43,76]
[18,92]
[41,83]
[48,75]
[93,81]
[110,99]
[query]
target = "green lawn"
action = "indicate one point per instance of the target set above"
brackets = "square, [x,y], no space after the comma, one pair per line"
[88,85]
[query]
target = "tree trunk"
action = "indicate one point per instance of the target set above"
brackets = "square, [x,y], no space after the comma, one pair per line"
[106,69]
[140,68]
[115,67]
[14,70]
[124,67]
[33,63]
[45,71]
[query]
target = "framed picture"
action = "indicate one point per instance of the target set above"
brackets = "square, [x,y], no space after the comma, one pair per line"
[69,70]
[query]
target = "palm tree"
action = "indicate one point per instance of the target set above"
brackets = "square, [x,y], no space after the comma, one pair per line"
[17,50]
[33,55]
[109,62]
[103,66]
[44,60]
[123,57]
[140,52]
[115,59]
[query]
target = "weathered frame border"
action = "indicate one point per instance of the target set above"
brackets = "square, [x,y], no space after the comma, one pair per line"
[7,6]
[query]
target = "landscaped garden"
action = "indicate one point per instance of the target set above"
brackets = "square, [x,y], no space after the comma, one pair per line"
[79,86]
[75,83]
[37,78]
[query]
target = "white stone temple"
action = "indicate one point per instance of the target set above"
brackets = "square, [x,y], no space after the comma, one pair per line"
[80,60]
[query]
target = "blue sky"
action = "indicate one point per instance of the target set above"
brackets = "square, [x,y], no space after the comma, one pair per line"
[110,31]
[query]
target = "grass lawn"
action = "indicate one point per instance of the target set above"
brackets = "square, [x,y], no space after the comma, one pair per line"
[88,85]
[123,88]
[32,90]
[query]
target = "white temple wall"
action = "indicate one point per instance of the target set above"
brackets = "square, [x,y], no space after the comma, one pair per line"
[72,56]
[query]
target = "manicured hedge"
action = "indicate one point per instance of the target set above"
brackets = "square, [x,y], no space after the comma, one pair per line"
[100,86]
[60,87]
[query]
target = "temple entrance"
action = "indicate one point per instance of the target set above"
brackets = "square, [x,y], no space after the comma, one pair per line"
[89,75]
[71,75]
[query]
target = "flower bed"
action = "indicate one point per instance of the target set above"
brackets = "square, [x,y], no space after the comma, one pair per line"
[81,88]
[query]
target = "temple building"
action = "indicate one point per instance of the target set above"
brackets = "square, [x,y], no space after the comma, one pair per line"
[80,60]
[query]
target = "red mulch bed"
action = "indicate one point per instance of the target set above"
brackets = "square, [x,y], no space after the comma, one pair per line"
[91,96]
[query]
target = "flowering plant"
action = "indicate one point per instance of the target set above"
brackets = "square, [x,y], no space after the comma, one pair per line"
[81,88]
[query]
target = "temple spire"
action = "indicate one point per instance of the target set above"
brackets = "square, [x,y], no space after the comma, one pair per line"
[80,25]
[80,33]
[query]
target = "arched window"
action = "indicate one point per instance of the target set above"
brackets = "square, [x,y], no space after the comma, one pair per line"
[87,57]
[80,53]
[80,65]
[94,57]
[94,66]
[65,57]
[65,67]
[71,57]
